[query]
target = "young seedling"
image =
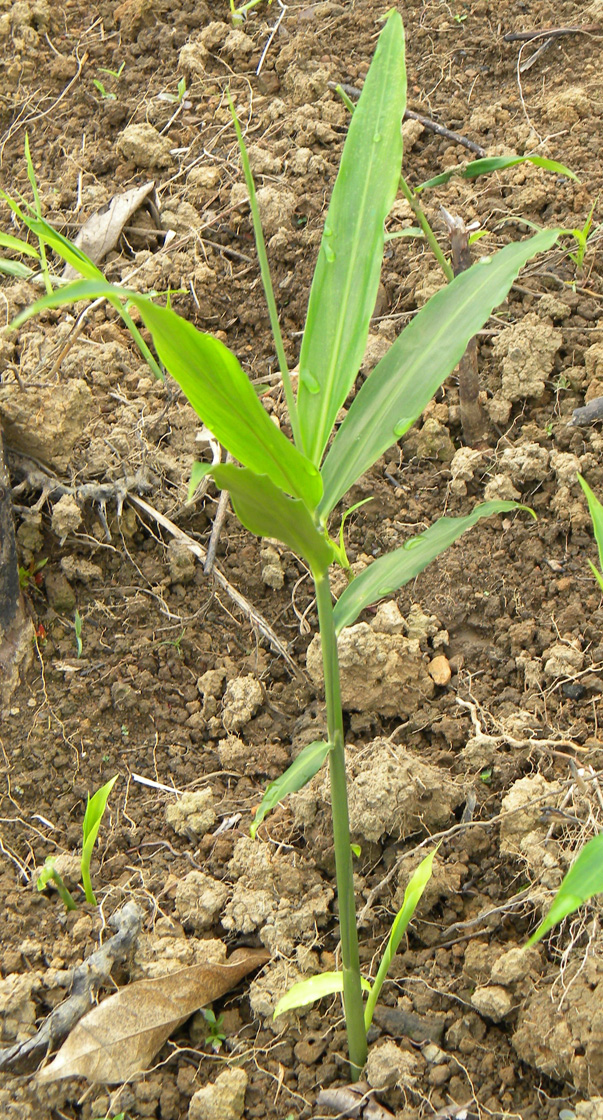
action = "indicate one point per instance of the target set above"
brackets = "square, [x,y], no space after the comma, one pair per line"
[93,816]
[49,873]
[289,488]
[105,94]
[32,574]
[215,1036]
[113,73]
[596,512]
[175,98]
[582,237]
[77,626]
[238,15]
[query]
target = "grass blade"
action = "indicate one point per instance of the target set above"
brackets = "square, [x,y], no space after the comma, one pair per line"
[92,821]
[583,880]
[596,512]
[423,356]
[308,991]
[268,512]
[396,568]
[412,897]
[346,279]
[214,383]
[296,776]
[267,280]
[496,163]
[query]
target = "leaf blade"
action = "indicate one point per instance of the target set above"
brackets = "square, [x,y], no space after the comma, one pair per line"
[596,513]
[312,989]
[489,164]
[346,278]
[215,385]
[392,571]
[295,777]
[583,880]
[268,512]
[423,356]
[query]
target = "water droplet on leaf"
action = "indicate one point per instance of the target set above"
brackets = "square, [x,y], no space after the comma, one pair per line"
[329,253]
[377,138]
[484,260]
[309,381]
[328,230]
[401,427]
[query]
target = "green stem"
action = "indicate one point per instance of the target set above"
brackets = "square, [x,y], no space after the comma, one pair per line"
[432,240]
[64,894]
[352,991]
[87,883]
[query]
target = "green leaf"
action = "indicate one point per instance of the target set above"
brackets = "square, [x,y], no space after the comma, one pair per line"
[93,816]
[496,163]
[583,880]
[396,568]
[315,987]
[216,386]
[421,358]
[7,241]
[296,776]
[596,512]
[15,268]
[346,279]
[267,512]
[412,896]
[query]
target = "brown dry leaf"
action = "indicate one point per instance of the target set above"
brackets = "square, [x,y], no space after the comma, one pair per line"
[120,1037]
[100,234]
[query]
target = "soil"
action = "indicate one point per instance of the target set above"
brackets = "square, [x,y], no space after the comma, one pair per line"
[483,726]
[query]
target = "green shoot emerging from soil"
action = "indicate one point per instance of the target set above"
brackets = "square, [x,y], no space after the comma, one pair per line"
[92,820]
[585,877]
[93,816]
[596,512]
[289,488]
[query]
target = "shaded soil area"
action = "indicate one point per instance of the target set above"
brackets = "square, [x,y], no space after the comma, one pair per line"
[481,722]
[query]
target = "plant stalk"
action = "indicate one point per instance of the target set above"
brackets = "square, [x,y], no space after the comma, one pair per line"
[352,991]
[430,236]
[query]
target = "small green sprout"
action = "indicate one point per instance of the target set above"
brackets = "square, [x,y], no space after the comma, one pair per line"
[238,15]
[175,98]
[215,1036]
[30,575]
[105,94]
[582,237]
[77,626]
[49,873]
[113,73]
[92,820]
[596,512]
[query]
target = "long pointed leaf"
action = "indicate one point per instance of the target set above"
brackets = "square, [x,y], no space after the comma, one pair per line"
[596,512]
[346,279]
[315,987]
[496,163]
[267,512]
[412,897]
[583,880]
[422,357]
[296,776]
[214,383]
[396,568]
